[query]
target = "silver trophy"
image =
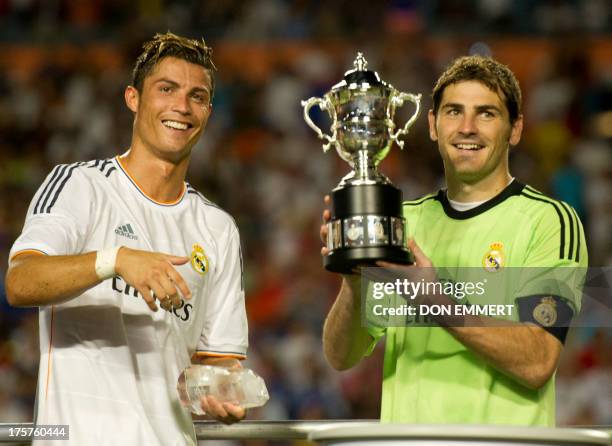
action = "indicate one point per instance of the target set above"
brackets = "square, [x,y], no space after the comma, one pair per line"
[367,223]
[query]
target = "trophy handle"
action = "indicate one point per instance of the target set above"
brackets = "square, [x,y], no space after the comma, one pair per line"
[323,105]
[398,101]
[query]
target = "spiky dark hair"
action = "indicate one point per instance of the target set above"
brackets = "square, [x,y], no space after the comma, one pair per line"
[171,45]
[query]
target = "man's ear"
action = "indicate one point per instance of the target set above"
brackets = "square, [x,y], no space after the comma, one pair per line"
[431,118]
[516,131]
[132,97]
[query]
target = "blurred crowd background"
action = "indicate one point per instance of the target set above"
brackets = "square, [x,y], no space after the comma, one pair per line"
[64,65]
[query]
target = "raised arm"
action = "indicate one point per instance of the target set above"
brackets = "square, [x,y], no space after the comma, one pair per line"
[345,340]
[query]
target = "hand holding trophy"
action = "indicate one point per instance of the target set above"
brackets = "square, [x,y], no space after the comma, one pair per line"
[367,223]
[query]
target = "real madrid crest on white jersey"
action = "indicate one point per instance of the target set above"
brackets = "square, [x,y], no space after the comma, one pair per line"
[199,261]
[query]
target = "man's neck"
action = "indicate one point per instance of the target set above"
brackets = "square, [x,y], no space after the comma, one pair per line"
[160,179]
[482,190]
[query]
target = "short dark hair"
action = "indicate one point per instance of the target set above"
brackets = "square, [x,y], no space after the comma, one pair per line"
[495,75]
[171,45]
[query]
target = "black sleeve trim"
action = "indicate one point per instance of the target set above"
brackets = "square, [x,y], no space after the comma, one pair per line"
[53,188]
[552,313]
[567,218]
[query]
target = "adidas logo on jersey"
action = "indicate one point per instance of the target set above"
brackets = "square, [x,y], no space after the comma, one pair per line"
[126,231]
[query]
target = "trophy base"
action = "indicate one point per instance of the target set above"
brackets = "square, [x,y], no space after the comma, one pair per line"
[366,226]
[344,261]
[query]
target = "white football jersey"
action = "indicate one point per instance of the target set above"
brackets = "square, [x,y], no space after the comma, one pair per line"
[109,365]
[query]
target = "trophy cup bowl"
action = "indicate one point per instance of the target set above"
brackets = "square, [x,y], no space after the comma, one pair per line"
[367,223]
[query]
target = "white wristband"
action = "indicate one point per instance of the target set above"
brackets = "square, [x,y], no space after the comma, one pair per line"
[105,262]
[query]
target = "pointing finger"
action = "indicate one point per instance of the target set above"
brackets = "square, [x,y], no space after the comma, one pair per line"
[178,260]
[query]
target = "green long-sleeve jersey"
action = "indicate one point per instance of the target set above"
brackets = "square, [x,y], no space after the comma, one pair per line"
[431,377]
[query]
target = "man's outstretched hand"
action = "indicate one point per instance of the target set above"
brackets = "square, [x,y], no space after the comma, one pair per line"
[154,275]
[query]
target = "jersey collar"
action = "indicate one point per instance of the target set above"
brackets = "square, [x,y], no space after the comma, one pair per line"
[143,193]
[514,188]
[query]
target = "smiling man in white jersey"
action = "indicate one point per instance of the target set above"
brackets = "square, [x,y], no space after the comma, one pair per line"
[107,242]
[487,371]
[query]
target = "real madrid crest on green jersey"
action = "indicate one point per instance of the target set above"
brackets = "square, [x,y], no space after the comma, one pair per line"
[199,261]
[494,259]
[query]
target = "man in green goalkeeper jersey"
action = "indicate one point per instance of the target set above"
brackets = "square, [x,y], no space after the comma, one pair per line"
[486,371]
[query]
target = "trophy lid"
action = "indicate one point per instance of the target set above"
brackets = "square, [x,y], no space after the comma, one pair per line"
[359,75]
